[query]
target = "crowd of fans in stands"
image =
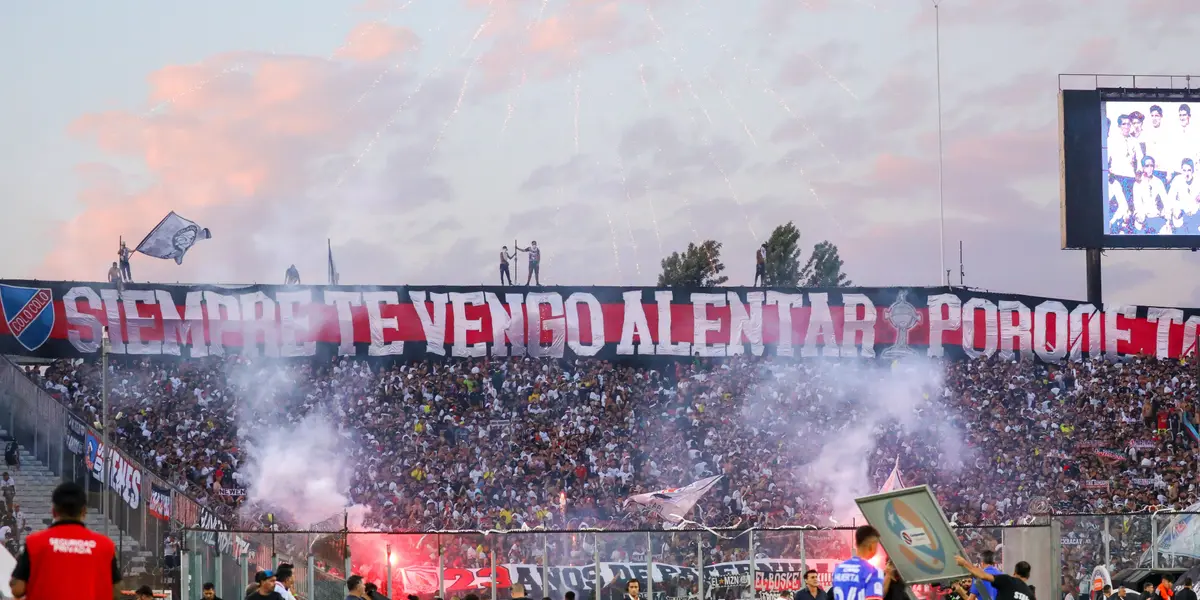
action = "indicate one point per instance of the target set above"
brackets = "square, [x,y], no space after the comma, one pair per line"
[504,444]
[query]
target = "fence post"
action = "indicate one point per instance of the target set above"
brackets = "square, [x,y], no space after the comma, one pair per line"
[310,577]
[441,569]
[545,565]
[753,582]
[218,569]
[1153,542]
[495,590]
[185,566]
[597,580]
[700,564]
[1107,535]
[803,559]
[649,567]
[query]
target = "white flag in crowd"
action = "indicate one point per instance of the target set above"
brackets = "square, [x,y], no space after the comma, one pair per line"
[172,238]
[894,482]
[1181,536]
[673,503]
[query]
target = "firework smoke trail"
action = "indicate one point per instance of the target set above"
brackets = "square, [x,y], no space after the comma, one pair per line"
[769,91]
[516,94]
[512,103]
[578,87]
[633,243]
[629,198]
[708,150]
[737,115]
[194,89]
[391,121]
[395,66]
[830,76]
[462,91]
[645,88]
[482,26]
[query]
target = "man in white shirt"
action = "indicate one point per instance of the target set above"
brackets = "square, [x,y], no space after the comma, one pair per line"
[1183,200]
[1154,142]
[1122,157]
[1149,197]
[285,580]
[1185,143]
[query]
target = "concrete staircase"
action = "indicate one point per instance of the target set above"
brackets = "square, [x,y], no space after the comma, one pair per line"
[35,482]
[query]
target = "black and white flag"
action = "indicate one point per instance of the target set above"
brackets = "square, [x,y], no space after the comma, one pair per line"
[172,238]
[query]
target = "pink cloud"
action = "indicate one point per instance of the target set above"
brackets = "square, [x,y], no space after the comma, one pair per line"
[241,151]
[375,41]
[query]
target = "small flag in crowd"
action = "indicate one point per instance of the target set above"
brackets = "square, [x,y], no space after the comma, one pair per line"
[673,503]
[894,482]
[172,238]
[333,274]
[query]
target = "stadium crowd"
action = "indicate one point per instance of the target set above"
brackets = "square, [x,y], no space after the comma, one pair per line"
[503,444]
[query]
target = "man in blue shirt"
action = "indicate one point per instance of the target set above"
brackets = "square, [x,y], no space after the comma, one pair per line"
[989,566]
[857,579]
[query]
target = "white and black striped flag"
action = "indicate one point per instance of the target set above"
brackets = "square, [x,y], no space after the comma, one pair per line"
[672,504]
[172,238]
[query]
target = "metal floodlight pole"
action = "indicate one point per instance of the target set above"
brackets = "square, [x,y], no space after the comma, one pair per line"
[937,36]
[104,346]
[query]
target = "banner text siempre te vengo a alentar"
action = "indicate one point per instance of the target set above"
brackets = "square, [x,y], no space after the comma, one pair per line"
[66,319]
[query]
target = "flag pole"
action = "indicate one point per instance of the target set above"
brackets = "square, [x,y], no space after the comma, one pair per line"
[516,262]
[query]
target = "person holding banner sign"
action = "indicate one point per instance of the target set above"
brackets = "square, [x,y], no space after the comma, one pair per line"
[1008,587]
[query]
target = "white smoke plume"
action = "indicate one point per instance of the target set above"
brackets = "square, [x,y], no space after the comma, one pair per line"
[298,467]
[842,425]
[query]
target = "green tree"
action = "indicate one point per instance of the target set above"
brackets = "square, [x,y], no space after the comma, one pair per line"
[824,268]
[698,266]
[783,256]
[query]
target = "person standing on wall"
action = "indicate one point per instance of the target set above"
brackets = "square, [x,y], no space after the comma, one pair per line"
[760,266]
[123,254]
[67,560]
[535,262]
[504,258]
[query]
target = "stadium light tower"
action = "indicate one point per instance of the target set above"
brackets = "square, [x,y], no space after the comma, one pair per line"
[104,347]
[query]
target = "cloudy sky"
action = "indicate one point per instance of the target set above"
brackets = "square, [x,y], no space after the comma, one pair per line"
[421,135]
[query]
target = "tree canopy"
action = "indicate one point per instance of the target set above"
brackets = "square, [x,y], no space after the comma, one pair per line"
[697,266]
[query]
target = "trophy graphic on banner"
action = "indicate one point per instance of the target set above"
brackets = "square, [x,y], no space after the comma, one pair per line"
[903,317]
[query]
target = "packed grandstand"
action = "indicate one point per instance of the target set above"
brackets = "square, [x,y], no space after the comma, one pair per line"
[433,457]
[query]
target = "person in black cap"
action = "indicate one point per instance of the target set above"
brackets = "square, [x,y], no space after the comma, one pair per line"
[144,593]
[68,546]
[265,589]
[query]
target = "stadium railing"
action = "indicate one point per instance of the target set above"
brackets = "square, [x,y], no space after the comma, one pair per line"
[732,563]
[62,441]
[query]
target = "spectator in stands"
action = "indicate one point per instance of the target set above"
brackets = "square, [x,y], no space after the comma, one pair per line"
[12,455]
[210,591]
[285,581]
[264,588]
[1186,592]
[8,487]
[372,592]
[144,593]
[355,588]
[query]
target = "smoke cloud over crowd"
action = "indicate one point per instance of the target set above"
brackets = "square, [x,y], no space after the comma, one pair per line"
[297,466]
[834,420]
